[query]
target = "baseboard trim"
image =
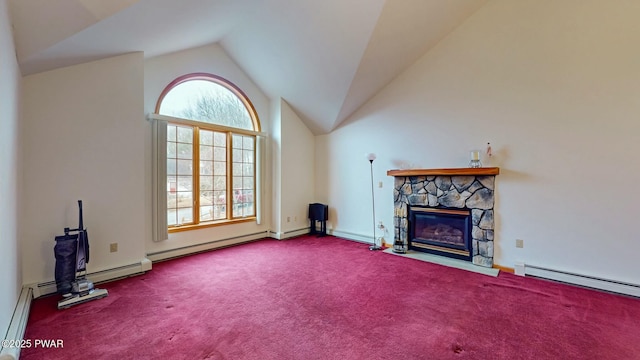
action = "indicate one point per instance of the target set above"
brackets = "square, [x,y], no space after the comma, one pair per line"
[350,236]
[583,280]
[18,324]
[97,277]
[211,245]
[289,234]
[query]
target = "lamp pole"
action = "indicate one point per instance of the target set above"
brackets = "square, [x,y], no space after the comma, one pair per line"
[372,157]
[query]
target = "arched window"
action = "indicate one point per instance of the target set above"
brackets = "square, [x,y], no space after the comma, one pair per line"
[211,152]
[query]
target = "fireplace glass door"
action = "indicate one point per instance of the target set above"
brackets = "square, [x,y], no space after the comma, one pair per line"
[445,232]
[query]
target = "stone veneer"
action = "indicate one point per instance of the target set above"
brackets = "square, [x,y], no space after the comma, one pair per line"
[457,191]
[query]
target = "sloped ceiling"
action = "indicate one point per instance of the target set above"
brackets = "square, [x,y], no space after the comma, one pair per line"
[325,58]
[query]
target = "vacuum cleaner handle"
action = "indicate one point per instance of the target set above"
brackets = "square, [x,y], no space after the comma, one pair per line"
[81,226]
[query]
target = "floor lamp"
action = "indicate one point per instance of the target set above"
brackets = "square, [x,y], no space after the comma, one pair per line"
[372,157]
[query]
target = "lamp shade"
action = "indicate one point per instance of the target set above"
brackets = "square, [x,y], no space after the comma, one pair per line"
[371,156]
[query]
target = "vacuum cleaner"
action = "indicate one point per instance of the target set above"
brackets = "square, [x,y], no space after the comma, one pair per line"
[72,255]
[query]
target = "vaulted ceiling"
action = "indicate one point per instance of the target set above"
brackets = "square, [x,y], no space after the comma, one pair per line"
[325,58]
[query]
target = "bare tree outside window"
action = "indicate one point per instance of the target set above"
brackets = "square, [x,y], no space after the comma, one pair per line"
[208,102]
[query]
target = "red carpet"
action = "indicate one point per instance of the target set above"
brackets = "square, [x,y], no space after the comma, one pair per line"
[327,298]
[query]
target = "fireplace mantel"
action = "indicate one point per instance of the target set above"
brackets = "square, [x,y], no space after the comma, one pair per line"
[450,171]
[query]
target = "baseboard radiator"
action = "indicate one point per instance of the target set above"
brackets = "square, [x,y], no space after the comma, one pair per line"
[211,245]
[17,326]
[289,234]
[97,277]
[583,280]
[350,236]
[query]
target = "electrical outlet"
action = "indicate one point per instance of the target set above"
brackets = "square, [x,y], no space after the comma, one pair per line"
[380,184]
[288,218]
[519,243]
[295,218]
[113,247]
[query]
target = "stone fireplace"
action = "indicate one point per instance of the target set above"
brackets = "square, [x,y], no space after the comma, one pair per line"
[464,192]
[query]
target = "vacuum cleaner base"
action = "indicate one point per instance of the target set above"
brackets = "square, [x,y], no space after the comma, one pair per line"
[76,299]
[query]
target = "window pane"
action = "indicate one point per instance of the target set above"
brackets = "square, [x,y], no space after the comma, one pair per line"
[171,150]
[247,156]
[207,101]
[206,197]
[171,167]
[220,139]
[206,152]
[184,207]
[171,200]
[248,208]
[247,169]
[247,182]
[185,216]
[243,203]
[220,168]
[247,143]
[206,213]
[185,134]
[206,137]
[219,212]
[171,133]
[206,183]
[185,183]
[237,169]
[237,211]
[237,182]
[185,151]
[219,154]
[247,196]
[172,217]
[172,183]
[206,167]
[220,197]
[238,197]
[184,199]
[237,141]
[219,182]
[237,155]
[185,167]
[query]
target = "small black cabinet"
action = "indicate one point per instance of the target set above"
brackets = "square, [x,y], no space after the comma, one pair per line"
[318,213]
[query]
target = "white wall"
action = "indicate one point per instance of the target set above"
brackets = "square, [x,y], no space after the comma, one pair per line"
[297,171]
[84,132]
[159,72]
[10,277]
[554,86]
[293,149]
[275,137]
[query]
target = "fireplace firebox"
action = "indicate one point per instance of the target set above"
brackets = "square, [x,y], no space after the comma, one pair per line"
[441,231]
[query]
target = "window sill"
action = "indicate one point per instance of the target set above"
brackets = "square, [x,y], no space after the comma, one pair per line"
[210,224]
